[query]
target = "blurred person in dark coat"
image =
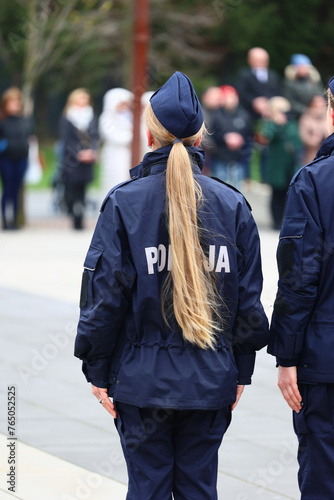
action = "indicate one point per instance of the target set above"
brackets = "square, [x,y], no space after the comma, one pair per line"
[256,85]
[79,140]
[15,130]
[231,128]
[212,99]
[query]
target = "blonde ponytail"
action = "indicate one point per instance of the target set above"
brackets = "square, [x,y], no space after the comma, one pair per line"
[194,293]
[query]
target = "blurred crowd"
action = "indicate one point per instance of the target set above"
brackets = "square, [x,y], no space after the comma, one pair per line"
[274,124]
[263,122]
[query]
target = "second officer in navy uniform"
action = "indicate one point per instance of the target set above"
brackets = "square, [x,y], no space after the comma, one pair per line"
[171,316]
[302,327]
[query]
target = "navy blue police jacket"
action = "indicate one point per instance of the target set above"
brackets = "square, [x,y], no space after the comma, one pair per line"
[302,326]
[122,338]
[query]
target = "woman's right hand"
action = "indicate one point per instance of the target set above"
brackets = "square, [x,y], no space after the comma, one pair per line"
[102,396]
[86,156]
[240,390]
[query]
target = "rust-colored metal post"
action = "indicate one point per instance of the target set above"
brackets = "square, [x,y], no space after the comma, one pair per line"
[139,70]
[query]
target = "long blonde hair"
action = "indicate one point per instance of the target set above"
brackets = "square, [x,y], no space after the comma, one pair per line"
[8,95]
[194,292]
[73,98]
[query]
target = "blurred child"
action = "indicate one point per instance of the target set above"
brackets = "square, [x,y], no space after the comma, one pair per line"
[284,145]
[15,130]
[313,128]
[79,140]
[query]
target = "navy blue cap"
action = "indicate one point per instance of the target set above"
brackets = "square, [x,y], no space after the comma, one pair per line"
[331,85]
[177,107]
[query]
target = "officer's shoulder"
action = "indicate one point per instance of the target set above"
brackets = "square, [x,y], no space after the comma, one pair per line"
[233,188]
[313,165]
[113,190]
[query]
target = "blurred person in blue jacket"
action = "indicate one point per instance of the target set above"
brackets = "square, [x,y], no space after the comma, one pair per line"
[15,130]
[171,316]
[302,327]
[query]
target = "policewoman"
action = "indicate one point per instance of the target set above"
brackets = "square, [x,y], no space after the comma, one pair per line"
[170,306]
[302,328]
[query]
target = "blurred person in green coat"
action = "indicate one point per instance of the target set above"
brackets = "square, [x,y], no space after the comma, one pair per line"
[280,133]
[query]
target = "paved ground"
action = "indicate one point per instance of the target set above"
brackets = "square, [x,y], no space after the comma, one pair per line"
[67,446]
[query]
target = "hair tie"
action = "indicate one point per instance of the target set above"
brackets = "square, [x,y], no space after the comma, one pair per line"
[177,140]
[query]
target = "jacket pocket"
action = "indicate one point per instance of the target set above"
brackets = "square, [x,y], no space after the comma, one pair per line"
[290,246]
[90,264]
[320,318]
[319,344]
[293,227]
[221,421]
[316,417]
[299,419]
[130,425]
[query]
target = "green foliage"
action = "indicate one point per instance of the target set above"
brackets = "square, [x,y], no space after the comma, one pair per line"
[69,39]
[62,44]
[12,35]
[282,27]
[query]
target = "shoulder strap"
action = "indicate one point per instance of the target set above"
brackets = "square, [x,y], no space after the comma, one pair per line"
[234,189]
[112,190]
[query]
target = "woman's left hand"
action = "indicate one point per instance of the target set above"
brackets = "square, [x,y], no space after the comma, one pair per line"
[240,389]
[102,395]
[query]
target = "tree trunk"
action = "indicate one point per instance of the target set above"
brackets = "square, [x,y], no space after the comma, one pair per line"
[139,71]
[27,97]
[32,46]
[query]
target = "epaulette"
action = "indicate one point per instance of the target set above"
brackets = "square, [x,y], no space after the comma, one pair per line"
[112,190]
[316,160]
[234,189]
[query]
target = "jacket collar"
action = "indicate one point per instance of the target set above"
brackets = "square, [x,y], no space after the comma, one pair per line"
[327,147]
[155,162]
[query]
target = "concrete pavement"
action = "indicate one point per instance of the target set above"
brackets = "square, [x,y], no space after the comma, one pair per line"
[67,446]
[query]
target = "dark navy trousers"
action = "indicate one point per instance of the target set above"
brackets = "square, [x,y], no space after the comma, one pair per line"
[12,174]
[314,426]
[171,451]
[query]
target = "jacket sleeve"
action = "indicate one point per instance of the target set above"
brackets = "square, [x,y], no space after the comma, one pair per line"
[298,266]
[250,330]
[106,292]
[93,134]
[246,91]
